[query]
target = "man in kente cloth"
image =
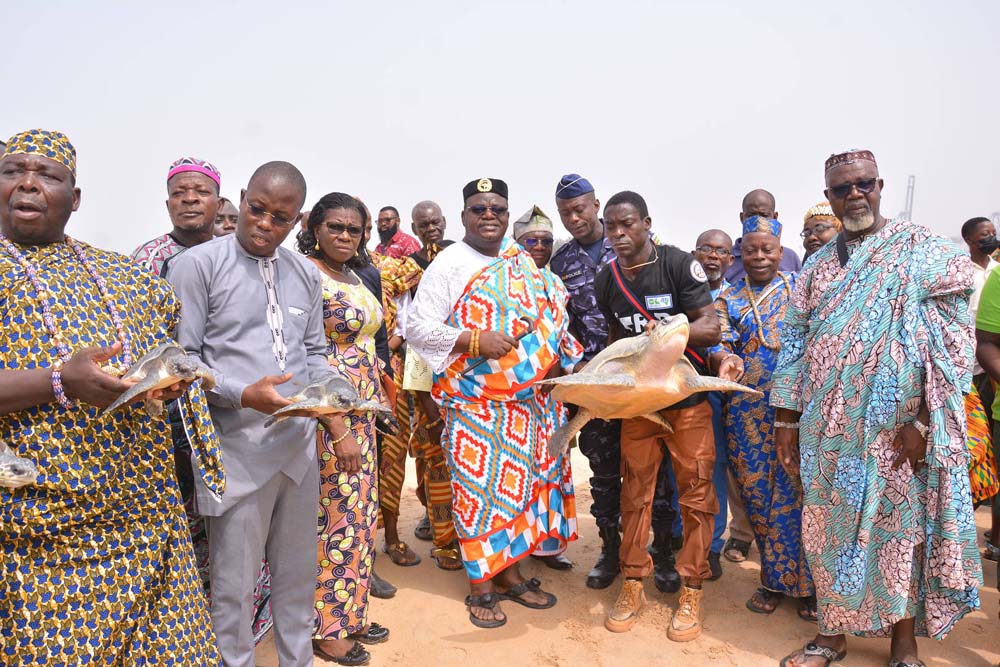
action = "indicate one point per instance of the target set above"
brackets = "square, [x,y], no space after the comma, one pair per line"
[97,566]
[489,325]
[876,354]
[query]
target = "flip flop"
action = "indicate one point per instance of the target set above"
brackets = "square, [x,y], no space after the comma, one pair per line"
[515,592]
[738,546]
[485,601]
[766,597]
[814,650]
[401,554]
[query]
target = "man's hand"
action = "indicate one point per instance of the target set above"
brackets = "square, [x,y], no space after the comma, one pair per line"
[262,395]
[493,344]
[787,442]
[83,379]
[731,368]
[650,325]
[910,446]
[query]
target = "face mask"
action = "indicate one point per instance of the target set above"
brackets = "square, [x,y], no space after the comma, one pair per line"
[988,245]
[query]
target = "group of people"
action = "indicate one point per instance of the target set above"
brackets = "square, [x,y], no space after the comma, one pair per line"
[853,467]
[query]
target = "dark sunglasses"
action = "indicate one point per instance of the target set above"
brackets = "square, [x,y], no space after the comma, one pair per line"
[259,212]
[479,210]
[844,189]
[336,229]
[532,242]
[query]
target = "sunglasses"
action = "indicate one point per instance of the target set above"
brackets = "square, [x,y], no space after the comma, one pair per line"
[532,242]
[844,189]
[336,229]
[709,249]
[816,230]
[479,210]
[260,212]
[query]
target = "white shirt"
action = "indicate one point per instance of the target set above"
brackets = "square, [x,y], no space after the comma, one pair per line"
[442,284]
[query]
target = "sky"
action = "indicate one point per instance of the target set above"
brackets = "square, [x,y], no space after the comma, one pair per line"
[691,104]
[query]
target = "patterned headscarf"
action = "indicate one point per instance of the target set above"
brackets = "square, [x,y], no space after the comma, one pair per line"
[534,220]
[194,164]
[849,156]
[823,211]
[47,143]
[760,223]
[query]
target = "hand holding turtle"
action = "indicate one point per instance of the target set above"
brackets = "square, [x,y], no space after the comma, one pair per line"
[83,379]
[493,344]
[262,395]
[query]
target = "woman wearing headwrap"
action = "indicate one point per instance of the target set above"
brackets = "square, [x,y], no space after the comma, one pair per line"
[819,227]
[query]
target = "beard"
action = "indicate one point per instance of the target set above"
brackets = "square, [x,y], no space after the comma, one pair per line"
[858,223]
[713,274]
[387,235]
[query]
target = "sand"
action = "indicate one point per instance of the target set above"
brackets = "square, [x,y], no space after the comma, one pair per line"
[430,626]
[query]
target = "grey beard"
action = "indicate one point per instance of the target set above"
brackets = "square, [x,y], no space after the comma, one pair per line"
[713,275]
[858,223]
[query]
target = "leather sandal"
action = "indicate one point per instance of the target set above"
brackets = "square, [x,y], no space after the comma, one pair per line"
[764,601]
[814,650]
[735,551]
[515,592]
[357,655]
[401,554]
[485,601]
[375,634]
[447,558]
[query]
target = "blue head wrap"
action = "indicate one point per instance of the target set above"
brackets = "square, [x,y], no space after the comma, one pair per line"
[573,185]
[759,223]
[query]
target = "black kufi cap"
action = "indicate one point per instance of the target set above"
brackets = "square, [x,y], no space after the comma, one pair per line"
[484,185]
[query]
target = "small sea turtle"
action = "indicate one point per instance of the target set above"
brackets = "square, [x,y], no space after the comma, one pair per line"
[332,394]
[634,377]
[15,471]
[163,366]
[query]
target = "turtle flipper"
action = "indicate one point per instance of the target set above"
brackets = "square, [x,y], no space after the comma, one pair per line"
[657,418]
[559,442]
[696,383]
[135,390]
[593,379]
[154,407]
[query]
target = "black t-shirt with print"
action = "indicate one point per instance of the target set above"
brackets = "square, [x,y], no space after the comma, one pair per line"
[674,284]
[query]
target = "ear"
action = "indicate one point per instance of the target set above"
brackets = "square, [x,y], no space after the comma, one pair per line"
[741,216]
[881,185]
[647,222]
[775,215]
[76,199]
[243,195]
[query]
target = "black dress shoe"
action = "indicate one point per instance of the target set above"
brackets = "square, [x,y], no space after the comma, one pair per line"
[715,563]
[556,562]
[376,634]
[381,588]
[356,656]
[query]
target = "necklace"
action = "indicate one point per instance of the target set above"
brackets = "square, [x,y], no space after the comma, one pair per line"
[44,300]
[339,271]
[756,313]
[639,266]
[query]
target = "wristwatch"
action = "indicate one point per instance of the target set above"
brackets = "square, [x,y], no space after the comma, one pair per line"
[922,428]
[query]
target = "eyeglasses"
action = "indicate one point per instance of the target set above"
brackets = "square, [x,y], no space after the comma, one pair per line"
[479,210]
[709,249]
[336,229]
[258,212]
[532,242]
[816,230]
[844,189]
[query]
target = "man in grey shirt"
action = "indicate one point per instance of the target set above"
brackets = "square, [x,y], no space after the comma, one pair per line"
[253,312]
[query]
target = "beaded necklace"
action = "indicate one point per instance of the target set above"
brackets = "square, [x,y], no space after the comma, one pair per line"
[43,299]
[756,313]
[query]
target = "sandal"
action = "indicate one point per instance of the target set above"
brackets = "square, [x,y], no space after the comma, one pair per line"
[807,609]
[401,554]
[375,634]
[894,662]
[991,552]
[515,592]
[814,650]
[356,656]
[447,558]
[735,551]
[423,530]
[760,601]
[485,601]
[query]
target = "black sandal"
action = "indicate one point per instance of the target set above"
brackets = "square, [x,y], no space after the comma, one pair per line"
[766,597]
[739,546]
[807,609]
[894,662]
[356,656]
[814,650]
[376,634]
[485,601]
[515,592]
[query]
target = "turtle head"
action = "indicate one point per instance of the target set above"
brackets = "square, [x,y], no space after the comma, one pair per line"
[184,367]
[16,472]
[671,335]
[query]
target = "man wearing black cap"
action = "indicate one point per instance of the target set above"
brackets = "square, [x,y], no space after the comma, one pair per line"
[578,263]
[485,321]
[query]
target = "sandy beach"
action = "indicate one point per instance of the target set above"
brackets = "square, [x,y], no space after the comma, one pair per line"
[430,626]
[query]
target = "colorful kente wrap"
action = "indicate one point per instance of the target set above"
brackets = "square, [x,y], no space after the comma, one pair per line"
[348,505]
[508,493]
[97,567]
[983,477]
[861,345]
[47,143]
[773,500]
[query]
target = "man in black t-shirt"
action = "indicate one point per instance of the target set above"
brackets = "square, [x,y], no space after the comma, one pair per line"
[650,282]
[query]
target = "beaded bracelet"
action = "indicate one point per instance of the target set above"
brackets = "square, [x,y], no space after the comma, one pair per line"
[58,390]
[792,425]
[434,424]
[341,438]
[474,343]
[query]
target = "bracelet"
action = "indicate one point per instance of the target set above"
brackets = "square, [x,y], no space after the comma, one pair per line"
[341,438]
[58,390]
[474,343]
[792,425]
[434,424]
[921,427]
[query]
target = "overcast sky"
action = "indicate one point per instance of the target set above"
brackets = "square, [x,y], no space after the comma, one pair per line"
[691,104]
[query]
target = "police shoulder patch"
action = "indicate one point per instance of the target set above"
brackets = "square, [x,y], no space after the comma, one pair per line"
[698,272]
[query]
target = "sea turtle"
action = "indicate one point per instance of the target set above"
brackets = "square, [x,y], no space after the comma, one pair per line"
[634,377]
[163,366]
[15,471]
[332,394]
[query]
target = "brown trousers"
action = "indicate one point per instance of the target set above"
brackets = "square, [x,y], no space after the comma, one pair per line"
[692,451]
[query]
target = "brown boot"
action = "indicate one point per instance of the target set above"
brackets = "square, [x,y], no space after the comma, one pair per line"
[686,622]
[625,613]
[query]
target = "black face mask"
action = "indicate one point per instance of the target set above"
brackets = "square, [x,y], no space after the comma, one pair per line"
[988,245]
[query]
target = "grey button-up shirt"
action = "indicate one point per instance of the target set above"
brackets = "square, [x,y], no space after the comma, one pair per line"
[224,323]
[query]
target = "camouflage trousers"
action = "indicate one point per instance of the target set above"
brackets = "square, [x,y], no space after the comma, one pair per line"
[600,442]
